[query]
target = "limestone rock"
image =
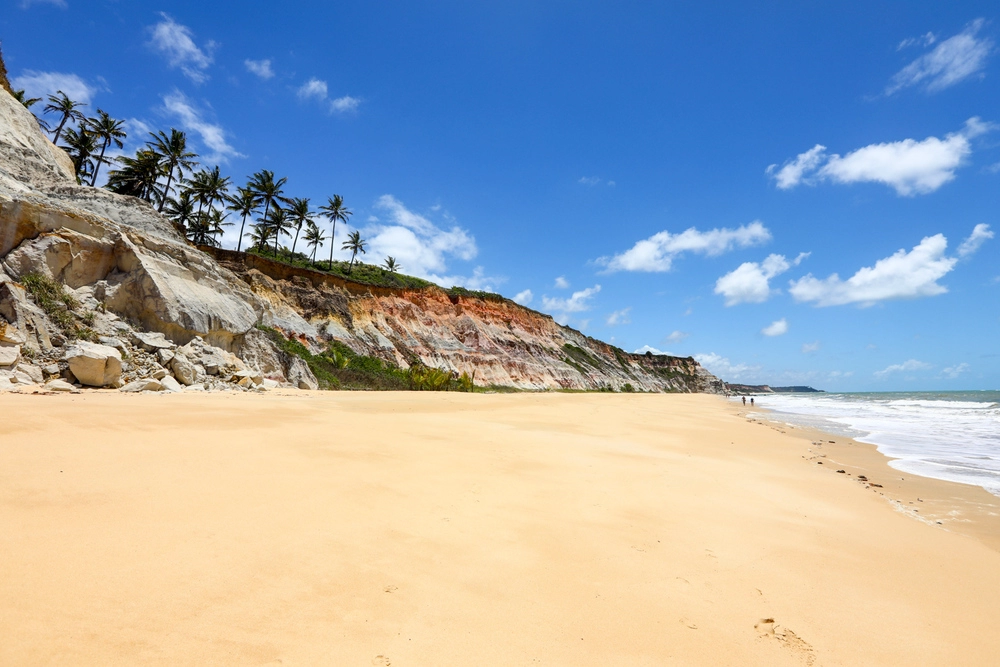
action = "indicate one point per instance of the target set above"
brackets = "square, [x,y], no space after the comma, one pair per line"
[185,371]
[32,372]
[11,335]
[300,376]
[170,384]
[164,357]
[111,341]
[10,355]
[60,385]
[159,373]
[151,342]
[214,360]
[93,364]
[143,385]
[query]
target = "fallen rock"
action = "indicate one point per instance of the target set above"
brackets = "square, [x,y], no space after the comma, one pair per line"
[51,370]
[254,376]
[159,373]
[185,371]
[11,335]
[34,373]
[111,341]
[170,384]
[151,342]
[60,385]
[6,384]
[300,376]
[164,357]
[10,355]
[93,364]
[143,385]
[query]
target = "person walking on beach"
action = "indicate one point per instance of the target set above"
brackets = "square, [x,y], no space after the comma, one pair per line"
[744,400]
[751,401]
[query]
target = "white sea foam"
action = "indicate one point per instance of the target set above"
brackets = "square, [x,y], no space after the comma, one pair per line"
[953,436]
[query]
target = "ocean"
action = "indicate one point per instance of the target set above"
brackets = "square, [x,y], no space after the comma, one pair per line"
[949,435]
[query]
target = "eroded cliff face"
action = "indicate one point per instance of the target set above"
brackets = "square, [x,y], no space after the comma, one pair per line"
[497,340]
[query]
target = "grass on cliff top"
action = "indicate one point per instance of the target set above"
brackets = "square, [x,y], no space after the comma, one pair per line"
[340,367]
[366,274]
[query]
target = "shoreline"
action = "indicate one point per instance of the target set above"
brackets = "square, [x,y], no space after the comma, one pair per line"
[425,528]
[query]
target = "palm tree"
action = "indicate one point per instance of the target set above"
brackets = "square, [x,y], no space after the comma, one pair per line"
[335,210]
[244,203]
[139,176]
[314,237]
[207,187]
[279,223]
[22,97]
[260,234]
[268,189]
[65,107]
[390,264]
[109,131]
[81,146]
[174,154]
[181,209]
[299,213]
[355,244]
[216,220]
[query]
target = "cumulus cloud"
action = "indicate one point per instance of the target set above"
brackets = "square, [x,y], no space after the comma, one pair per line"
[652,350]
[562,283]
[578,302]
[422,246]
[724,368]
[952,372]
[344,104]
[43,84]
[657,253]
[906,366]
[776,328]
[25,4]
[313,88]
[903,275]
[477,281]
[524,297]
[953,60]
[676,336]
[809,348]
[191,119]
[909,166]
[980,234]
[176,43]
[261,68]
[619,317]
[750,281]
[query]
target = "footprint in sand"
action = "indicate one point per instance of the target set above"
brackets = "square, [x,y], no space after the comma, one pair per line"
[381,661]
[766,627]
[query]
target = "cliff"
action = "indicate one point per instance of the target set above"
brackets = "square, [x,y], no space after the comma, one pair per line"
[128,268]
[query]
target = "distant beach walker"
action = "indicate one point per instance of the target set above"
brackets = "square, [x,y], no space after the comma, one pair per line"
[952,435]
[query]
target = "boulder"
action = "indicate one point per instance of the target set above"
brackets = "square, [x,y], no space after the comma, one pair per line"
[164,357]
[10,355]
[214,360]
[34,373]
[254,376]
[11,335]
[6,384]
[93,364]
[170,384]
[185,371]
[300,376]
[111,341]
[151,342]
[143,385]
[60,385]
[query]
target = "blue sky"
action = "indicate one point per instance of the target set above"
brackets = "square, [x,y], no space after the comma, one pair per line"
[801,195]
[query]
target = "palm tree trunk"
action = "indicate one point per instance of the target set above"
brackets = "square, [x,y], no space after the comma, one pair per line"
[333,235]
[97,167]
[297,230]
[166,191]
[351,265]
[59,129]
[239,241]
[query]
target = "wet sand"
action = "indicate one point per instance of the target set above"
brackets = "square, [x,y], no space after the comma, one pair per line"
[451,529]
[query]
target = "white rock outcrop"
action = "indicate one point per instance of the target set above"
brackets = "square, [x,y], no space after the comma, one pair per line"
[94,365]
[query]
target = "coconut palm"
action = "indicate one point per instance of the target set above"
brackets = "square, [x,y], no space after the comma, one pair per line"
[314,238]
[260,234]
[280,223]
[23,98]
[174,154]
[81,146]
[208,187]
[139,176]
[216,220]
[180,209]
[108,131]
[299,214]
[269,190]
[355,244]
[243,204]
[390,264]
[61,105]
[335,210]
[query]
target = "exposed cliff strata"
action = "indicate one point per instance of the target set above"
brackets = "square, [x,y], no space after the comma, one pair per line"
[133,272]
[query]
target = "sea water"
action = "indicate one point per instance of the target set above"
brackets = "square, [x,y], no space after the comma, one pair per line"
[950,435]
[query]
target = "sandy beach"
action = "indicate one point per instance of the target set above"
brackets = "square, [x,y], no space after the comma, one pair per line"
[314,528]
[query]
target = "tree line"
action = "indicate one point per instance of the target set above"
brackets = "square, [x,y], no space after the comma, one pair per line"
[199,200]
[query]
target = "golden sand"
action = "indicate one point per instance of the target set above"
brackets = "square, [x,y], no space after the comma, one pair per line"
[451,529]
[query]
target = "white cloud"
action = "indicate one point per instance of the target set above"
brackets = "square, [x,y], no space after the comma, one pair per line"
[261,68]
[652,350]
[776,328]
[953,60]
[908,166]
[979,235]
[174,41]
[562,283]
[58,3]
[619,317]
[190,118]
[952,372]
[676,336]
[903,275]
[589,180]
[477,281]
[313,88]
[924,40]
[42,84]
[344,104]
[906,366]
[420,246]
[524,297]
[724,368]
[658,251]
[611,184]
[808,348]
[578,302]
[749,282]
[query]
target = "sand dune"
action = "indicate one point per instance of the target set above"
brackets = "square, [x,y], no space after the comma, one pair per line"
[447,529]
